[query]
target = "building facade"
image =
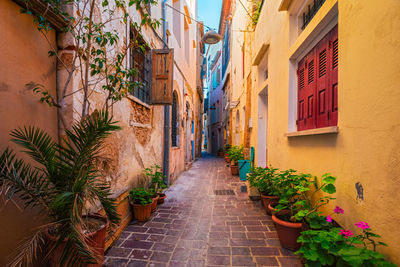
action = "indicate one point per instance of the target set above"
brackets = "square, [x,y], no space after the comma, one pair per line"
[145,131]
[323,99]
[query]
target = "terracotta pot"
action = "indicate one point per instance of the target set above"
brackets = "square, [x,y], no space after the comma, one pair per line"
[266,200]
[235,169]
[142,212]
[288,233]
[271,209]
[154,204]
[220,154]
[96,241]
[161,198]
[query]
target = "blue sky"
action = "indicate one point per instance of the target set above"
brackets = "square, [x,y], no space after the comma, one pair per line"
[209,12]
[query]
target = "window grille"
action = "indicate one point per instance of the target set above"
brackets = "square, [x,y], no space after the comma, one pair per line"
[140,60]
[174,121]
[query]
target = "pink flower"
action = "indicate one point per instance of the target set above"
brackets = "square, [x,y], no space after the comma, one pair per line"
[345,233]
[362,225]
[338,210]
[328,218]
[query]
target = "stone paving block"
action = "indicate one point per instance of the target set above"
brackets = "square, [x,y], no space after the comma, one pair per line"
[135,263]
[161,256]
[219,250]
[289,262]
[137,244]
[264,251]
[140,254]
[119,252]
[240,251]
[113,262]
[165,247]
[196,263]
[181,254]
[242,261]
[267,261]
[218,260]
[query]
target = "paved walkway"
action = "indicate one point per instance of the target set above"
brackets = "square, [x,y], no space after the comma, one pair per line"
[197,227]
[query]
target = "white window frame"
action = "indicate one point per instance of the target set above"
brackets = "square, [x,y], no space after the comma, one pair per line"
[310,41]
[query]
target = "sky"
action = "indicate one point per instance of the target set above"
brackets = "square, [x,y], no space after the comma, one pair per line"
[209,11]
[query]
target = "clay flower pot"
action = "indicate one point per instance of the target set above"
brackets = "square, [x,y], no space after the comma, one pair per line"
[142,212]
[271,209]
[154,204]
[288,233]
[235,169]
[220,154]
[96,240]
[161,198]
[266,200]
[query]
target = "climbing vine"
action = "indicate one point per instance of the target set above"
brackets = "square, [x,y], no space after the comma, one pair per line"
[98,54]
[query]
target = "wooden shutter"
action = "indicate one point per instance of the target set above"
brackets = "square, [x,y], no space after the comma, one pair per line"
[334,54]
[162,76]
[323,77]
[301,80]
[310,86]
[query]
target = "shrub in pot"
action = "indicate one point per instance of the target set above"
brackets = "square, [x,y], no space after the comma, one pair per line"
[266,185]
[62,181]
[331,245]
[251,182]
[299,203]
[227,147]
[235,153]
[157,183]
[220,152]
[141,200]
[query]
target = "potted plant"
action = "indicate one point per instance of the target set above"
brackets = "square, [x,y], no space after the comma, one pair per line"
[235,153]
[331,245]
[220,152]
[251,183]
[157,182]
[227,147]
[266,184]
[296,208]
[62,180]
[141,200]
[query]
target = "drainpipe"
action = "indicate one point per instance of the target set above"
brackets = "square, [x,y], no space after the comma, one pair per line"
[166,109]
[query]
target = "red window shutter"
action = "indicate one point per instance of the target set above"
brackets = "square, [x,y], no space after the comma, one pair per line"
[310,90]
[301,83]
[322,94]
[334,64]
[162,76]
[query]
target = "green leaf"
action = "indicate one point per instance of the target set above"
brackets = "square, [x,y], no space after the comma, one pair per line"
[329,188]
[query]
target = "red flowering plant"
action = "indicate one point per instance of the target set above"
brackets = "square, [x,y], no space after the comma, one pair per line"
[335,246]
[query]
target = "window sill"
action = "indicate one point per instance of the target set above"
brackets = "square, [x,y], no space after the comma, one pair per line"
[174,147]
[318,131]
[138,101]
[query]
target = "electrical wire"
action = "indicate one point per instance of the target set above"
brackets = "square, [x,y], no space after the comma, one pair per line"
[200,22]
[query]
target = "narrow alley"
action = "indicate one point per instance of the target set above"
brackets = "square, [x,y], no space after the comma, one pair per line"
[199,225]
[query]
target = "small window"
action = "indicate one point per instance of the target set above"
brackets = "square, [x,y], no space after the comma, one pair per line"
[174,121]
[140,60]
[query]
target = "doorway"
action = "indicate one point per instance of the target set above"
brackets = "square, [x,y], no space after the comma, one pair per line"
[262,129]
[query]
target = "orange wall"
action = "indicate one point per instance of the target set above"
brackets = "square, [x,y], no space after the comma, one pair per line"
[23,59]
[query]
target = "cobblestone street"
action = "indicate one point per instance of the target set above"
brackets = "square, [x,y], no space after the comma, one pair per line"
[198,227]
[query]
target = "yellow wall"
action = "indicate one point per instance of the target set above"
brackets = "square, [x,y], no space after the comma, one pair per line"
[367,147]
[24,59]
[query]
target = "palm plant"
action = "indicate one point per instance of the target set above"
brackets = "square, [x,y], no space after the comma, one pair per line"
[63,180]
